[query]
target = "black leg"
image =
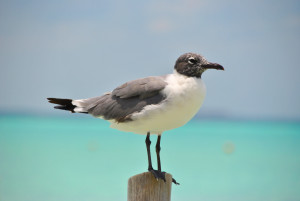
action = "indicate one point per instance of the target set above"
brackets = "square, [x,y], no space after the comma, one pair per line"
[158,174]
[157,153]
[148,143]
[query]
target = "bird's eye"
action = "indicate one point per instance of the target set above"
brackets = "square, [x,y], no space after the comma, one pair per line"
[192,60]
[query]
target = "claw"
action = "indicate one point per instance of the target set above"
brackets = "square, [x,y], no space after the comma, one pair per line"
[158,175]
[161,175]
[175,182]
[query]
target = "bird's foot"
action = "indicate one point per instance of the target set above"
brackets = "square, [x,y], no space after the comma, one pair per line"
[158,174]
[161,175]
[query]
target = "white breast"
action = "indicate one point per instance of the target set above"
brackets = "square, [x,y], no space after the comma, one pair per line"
[185,96]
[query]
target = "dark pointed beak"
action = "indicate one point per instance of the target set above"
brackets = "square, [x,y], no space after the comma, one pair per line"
[213,66]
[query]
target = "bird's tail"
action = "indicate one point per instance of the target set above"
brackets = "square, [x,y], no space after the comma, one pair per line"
[68,104]
[78,106]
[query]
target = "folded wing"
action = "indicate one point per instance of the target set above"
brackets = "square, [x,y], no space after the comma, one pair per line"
[121,103]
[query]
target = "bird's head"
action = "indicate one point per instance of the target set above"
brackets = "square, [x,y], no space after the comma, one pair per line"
[193,65]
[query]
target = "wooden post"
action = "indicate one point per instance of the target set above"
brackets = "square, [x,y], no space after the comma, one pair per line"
[144,187]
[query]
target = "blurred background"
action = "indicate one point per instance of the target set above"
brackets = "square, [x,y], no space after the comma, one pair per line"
[242,145]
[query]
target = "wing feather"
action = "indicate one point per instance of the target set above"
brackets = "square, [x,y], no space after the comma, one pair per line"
[144,87]
[127,99]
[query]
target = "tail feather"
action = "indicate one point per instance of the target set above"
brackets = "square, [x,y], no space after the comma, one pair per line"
[63,104]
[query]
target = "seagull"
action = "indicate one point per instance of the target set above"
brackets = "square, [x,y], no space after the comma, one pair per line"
[150,105]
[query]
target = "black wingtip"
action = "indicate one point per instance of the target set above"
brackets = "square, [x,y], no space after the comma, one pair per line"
[62,104]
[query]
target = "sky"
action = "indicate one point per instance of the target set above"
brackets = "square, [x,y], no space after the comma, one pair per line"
[80,49]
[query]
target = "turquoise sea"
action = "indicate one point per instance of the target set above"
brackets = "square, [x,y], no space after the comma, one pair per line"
[79,158]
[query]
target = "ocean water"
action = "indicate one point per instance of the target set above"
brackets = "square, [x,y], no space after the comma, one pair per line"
[79,158]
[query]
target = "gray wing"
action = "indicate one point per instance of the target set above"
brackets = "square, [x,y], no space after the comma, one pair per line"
[128,98]
[143,88]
